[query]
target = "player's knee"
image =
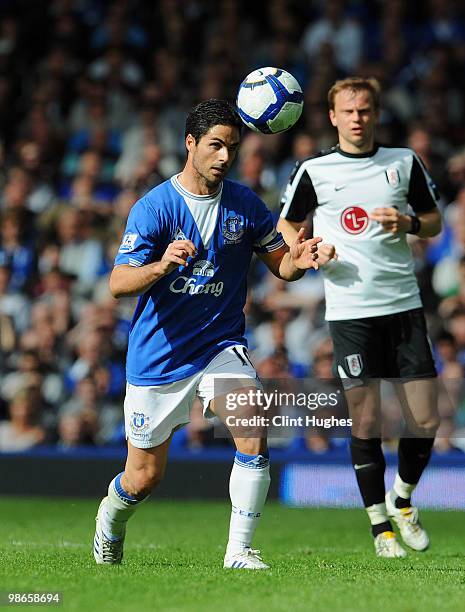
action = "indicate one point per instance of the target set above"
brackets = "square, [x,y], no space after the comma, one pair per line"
[367,425]
[252,446]
[144,480]
[427,427]
[365,418]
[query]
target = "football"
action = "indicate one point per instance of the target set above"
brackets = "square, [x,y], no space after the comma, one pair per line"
[270,100]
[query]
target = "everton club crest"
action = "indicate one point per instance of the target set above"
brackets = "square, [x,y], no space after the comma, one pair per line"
[233,229]
[139,422]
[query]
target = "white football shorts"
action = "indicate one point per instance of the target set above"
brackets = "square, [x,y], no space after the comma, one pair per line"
[152,413]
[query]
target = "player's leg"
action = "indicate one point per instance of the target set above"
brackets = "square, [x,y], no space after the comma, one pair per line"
[369,464]
[250,475]
[366,453]
[248,488]
[418,399]
[144,469]
[356,360]
[151,415]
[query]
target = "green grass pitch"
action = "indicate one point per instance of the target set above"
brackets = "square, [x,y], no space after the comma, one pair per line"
[322,560]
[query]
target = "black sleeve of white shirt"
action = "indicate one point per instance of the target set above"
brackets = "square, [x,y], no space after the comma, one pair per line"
[422,193]
[301,194]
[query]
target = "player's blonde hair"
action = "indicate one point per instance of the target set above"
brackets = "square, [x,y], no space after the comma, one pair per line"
[356,84]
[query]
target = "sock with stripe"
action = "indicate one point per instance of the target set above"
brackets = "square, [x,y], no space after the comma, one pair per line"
[120,506]
[401,493]
[378,518]
[370,465]
[414,455]
[248,488]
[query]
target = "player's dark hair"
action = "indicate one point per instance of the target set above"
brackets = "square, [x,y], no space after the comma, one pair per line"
[209,113]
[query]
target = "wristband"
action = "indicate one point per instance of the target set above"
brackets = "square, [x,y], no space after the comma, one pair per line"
[416,225]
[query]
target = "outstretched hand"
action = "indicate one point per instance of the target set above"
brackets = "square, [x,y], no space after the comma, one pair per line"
[304,252]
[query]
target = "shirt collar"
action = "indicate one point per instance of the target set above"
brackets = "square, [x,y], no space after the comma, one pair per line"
[358,155]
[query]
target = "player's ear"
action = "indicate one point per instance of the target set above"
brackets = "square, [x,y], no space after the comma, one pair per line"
[190,142]
[332,117]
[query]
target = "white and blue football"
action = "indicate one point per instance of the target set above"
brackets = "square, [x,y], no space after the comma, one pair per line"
[270,100]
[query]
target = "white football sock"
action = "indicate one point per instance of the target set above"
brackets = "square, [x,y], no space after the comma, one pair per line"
[248,488]
[119,507]
[377,513]
[403,489]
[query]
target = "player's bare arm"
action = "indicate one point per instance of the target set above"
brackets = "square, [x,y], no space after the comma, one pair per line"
[395,222]
[128,281]
[290,263]
[290,230]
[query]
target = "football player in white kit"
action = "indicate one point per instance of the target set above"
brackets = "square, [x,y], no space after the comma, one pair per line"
[365,199]
[186,252]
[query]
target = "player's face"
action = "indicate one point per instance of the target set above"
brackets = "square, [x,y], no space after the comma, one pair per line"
[214,153]
[355,117]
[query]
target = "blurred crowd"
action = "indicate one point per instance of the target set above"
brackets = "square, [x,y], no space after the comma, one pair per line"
[93,97]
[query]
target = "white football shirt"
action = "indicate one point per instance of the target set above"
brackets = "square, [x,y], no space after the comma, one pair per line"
[374,274]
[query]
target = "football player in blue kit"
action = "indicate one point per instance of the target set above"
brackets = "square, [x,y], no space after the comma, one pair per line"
[186,252]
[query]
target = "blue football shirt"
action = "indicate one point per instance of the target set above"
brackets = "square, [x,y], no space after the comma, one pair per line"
[194,312]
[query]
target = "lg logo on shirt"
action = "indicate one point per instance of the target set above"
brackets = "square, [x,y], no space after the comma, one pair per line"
[354,219]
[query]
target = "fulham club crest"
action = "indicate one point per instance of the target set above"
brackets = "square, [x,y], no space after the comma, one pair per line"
[393,178]
[354,363]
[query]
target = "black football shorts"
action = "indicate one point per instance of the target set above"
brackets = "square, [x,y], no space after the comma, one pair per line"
[390,346]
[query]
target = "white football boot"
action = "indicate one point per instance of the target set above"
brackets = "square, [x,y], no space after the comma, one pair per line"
[386,545]
[410,527]
[246,559]
[106,551]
